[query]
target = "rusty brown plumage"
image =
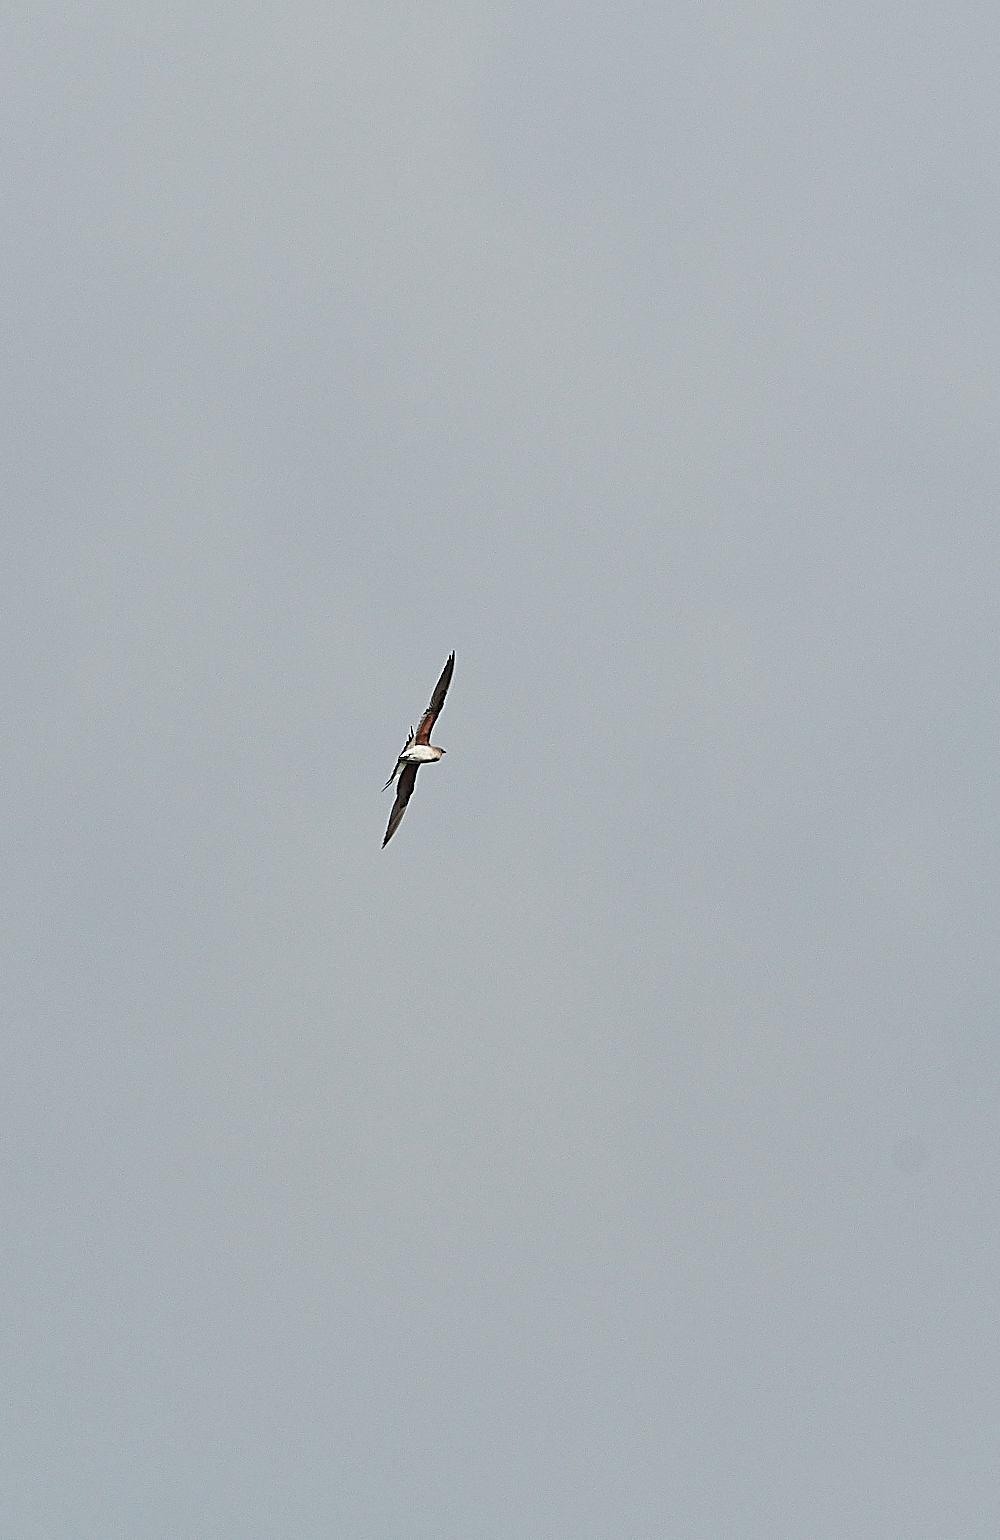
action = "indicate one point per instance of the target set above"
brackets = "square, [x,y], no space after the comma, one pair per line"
[423,734]
[417,750]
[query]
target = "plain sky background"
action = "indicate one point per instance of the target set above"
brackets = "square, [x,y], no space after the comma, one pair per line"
[615,1156]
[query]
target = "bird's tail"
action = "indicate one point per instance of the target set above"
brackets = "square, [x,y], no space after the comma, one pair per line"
[399,762]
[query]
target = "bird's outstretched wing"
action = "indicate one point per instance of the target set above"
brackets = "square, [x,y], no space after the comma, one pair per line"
[404,791]
[437,701]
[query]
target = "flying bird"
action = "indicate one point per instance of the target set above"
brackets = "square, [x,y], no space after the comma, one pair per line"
[417,750]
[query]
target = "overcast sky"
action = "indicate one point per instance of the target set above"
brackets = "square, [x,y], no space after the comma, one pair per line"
[615,1155]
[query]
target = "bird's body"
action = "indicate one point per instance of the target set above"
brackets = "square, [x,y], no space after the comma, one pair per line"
[417,751]
[415,754]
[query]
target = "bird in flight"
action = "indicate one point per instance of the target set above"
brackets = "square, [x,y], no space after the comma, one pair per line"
[418,750]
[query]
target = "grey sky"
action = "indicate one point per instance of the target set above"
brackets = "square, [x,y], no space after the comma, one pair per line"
[616,1154]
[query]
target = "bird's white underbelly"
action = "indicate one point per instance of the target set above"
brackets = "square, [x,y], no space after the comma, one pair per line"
[421,754]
